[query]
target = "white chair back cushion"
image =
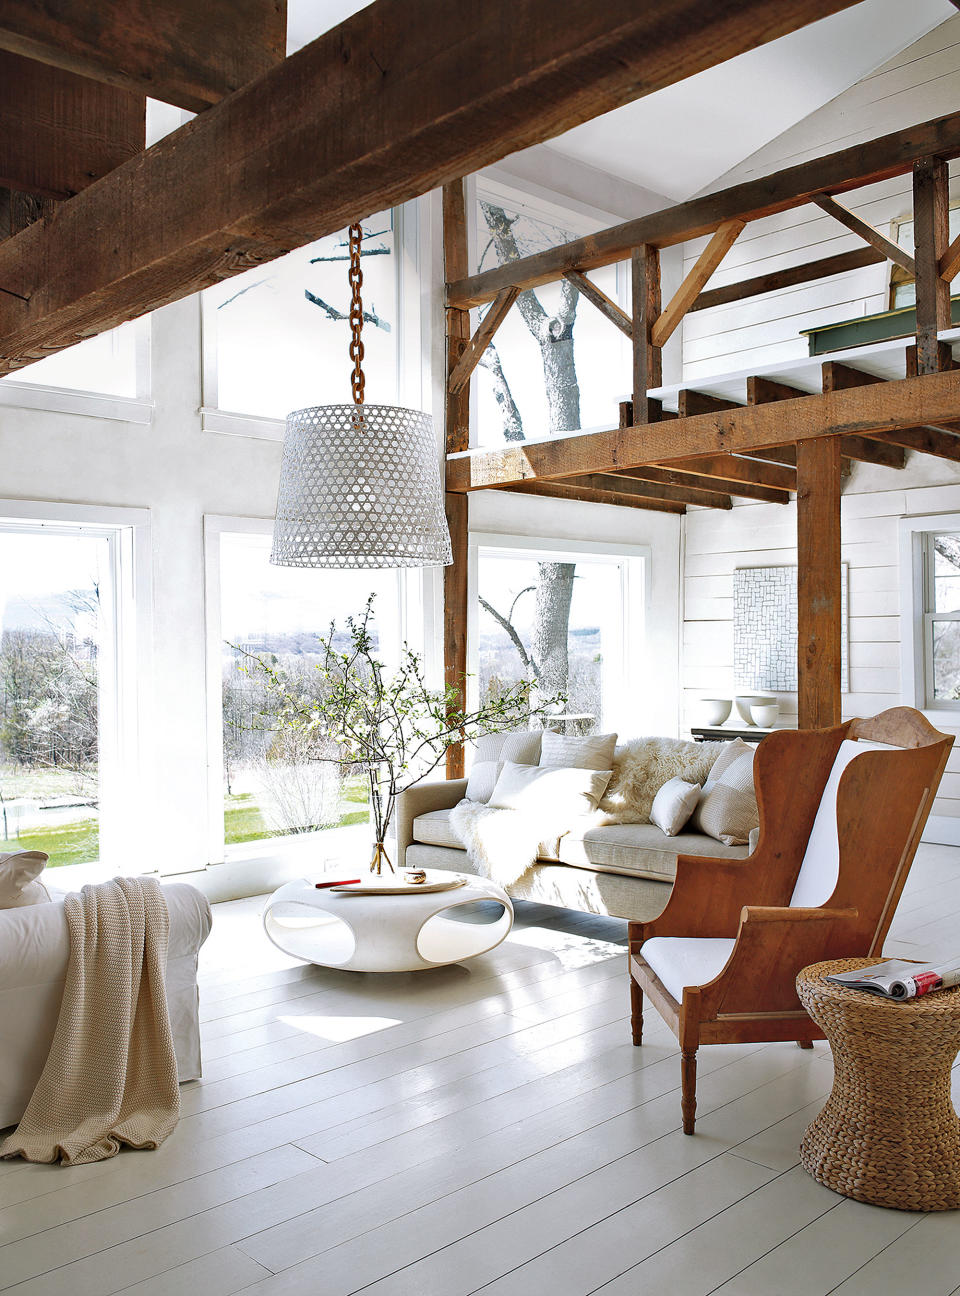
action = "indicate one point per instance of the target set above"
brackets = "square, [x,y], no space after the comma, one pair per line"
[817,879]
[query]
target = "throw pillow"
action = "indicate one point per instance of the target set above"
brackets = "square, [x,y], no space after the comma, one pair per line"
[18,884]
[673,805]
[727,809]
[561,792]
[522,747]
[594,752]
[642,766]
[482,780]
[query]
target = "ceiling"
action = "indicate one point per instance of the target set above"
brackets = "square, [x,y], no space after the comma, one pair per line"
[680,139]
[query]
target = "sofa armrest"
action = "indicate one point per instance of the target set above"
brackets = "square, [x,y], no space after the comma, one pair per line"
[421,799]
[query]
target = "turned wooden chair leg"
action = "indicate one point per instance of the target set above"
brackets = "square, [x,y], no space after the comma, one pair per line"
[688,1088]
[804,1043]
[636,1011]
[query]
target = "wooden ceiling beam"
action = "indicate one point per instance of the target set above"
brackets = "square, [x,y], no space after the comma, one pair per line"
[889,250]
[604,304]
[850,168]
[623,485]
[60,132]
[586,495]
[376,111]
[704,482]
[926,440]
[842,263]
[931,398]
[179,51]
[691,402]
[731,468]
[666,324]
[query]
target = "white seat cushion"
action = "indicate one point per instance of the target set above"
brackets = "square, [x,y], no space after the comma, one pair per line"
[817,879]
[686,960]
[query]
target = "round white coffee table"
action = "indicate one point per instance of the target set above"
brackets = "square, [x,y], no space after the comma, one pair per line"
[384,933]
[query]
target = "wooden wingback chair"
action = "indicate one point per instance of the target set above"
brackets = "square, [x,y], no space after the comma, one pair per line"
[841,813]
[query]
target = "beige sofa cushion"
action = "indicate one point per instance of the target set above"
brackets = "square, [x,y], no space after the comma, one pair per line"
[433,829]
[592,752]
[639,850]
[522,747]
[727,809]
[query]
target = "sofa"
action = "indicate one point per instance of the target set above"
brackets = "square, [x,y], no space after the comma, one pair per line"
[34,948]
[624,870]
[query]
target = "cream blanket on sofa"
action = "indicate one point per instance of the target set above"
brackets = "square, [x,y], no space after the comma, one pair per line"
[111,1076]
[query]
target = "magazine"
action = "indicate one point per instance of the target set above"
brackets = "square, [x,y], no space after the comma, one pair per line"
[901,979]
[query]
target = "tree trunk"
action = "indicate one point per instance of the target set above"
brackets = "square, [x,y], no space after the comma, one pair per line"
[554,592]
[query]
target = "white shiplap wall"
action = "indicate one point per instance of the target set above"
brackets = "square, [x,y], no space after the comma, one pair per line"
[923,82]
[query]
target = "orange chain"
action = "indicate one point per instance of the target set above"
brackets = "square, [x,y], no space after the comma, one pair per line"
[356,314]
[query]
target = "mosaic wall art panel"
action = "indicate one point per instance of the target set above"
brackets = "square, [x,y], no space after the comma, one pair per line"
[765,629]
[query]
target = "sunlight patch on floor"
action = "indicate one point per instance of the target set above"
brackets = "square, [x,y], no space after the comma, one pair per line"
[570,950]
[340,1029]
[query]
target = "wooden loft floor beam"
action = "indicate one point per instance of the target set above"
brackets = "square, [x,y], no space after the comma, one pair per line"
[842,263]
[376,111]
[604,304]
[60,132]
[931,203]
[693,402]
[937,441]
[850,168]
[731,468]
[639,489]
[704,482]
[587,495]
[178,51]
[819,576]
[889,250]
[931,399]
[761,390]
[709,259]
[473,352]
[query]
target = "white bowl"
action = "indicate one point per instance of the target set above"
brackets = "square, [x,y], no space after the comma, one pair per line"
[716,710]
[765,714]
[747,700]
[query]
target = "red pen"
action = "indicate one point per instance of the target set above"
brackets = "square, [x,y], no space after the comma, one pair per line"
[346,882]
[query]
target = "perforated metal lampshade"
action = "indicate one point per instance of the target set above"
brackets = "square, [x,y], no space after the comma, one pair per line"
[360,496]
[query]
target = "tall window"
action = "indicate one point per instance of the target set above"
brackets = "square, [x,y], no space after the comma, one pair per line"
[276,337]
[941,618]
[109,364]
[274,784]
[556,364]
[567,620]
[67,704]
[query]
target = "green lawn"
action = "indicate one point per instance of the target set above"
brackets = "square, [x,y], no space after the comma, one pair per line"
[68,843]
[243,822]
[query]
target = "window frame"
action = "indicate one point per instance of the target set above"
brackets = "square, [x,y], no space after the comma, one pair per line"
[916,618]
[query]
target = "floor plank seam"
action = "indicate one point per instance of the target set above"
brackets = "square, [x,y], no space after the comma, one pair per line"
[860,1268]
[770,1250]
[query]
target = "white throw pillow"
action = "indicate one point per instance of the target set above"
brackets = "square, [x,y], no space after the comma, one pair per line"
[673,805]
[18,884]
[727,809]
[522,746]
[561,792]
[594,752]
[482,780]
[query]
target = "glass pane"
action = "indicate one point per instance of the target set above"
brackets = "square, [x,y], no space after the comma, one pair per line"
[946,572]
[557,364]
[282,329]
[50,648]
[274,783]
[557,623]
[106,364]
[946,661]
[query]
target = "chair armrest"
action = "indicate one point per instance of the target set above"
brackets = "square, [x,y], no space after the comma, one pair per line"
[421,799]
[707,898]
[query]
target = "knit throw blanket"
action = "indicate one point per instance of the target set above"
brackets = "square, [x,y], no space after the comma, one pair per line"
[111,1076]
[500,844]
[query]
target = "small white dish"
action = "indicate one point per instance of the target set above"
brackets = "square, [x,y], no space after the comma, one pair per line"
[765,714]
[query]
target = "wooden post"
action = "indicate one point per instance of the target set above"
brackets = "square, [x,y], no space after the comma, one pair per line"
[931,239]
[455,615]
[647,368]
[456,266]
[819,573]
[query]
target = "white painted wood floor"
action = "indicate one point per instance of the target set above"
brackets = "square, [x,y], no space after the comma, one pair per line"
[485,1128]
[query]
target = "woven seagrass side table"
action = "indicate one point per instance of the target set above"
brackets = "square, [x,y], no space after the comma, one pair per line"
[889,1134]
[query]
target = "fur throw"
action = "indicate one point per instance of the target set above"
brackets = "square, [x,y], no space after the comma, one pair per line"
[500,844]
[643,765]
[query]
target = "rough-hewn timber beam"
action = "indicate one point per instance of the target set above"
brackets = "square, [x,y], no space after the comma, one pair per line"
[819,583]
[931,233]
[704,482]
[484,335]
[604,304]
[842,263]
[890,250]
[651,490]
[176,50]
[760,390]
[950,261]
[559,490]
[720,244]
[455,616]
[851,168]
[691,402]
[939,441]
[731,468]
[456,254]
[375,112]
[929,399]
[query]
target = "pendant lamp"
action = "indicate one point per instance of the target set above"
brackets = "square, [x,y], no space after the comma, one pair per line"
[360,484]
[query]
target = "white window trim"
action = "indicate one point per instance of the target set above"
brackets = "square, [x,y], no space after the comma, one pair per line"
[126,728]
[913,684]
[215,525]
[67,400]
[409,368]
[636,583]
